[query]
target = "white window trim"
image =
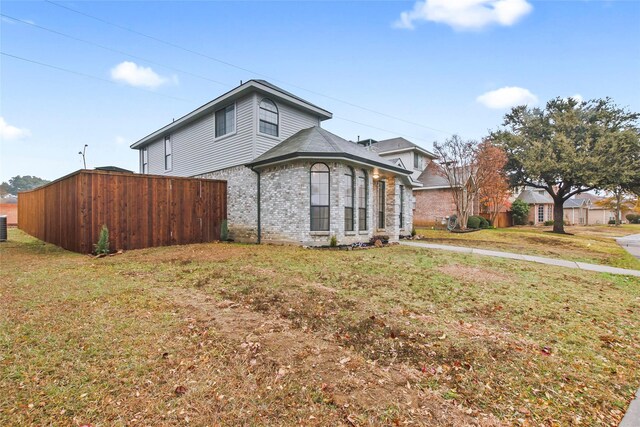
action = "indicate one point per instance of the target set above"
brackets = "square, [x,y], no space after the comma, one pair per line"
[268,135]
[164,147]
[235,124]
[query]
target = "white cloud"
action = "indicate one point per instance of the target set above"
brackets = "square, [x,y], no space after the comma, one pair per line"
[12,133]
[120,140]
[139,76]
[465,14]
[506,97]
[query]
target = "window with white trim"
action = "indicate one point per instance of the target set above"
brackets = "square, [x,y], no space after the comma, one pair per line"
[319,197]
[268,115]
[226,120]
[363,199]
[381,203]
[402,206]
[168,153]
[541,213]
[144,154]
[349,196]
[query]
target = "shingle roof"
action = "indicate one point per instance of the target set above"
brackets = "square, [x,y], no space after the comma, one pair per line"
[398,144]
[533,197]
[575,203]
[318,142]
[432,178]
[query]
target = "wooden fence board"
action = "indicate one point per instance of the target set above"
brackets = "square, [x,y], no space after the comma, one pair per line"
[139,210]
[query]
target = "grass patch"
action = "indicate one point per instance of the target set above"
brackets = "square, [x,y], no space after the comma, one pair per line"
[284,335]
[593,244]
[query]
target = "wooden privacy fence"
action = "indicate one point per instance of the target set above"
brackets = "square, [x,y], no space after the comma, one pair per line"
[140,210]
[503,219]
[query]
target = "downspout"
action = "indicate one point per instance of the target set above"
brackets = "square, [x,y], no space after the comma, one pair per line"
[259,222]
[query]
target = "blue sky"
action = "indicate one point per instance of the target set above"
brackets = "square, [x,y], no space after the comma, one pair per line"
[442,66]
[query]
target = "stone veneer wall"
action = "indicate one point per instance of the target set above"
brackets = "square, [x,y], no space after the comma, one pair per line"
[285,210]
[242,207]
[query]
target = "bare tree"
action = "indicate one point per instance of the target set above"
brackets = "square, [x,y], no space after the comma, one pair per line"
[457,165]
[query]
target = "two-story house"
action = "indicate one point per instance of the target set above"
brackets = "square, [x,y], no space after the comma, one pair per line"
[288,179]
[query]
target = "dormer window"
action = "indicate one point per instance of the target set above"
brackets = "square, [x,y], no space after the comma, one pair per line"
[416,161]
[226,120]
[268,117]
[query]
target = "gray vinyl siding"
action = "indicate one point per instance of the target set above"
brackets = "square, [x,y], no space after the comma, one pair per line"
[196,151]
[291,120]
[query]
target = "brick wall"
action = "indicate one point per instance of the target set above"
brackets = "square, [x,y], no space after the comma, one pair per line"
[432,204]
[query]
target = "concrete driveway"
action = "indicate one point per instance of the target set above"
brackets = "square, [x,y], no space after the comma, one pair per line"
[631,244]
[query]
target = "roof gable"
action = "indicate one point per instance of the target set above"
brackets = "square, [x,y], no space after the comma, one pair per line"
[260,86]
[395,145]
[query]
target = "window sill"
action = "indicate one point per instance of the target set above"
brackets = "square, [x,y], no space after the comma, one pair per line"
[225,136]
[363,232]
[381,230]
[349,233]
[319,233]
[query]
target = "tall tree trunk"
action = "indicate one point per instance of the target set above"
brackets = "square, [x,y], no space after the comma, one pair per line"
[558,216]
[618,194]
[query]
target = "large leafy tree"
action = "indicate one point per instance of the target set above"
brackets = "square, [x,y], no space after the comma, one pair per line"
[21,183]
[571,147]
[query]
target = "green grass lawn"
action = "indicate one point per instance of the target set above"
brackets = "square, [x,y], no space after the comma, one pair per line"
[593,244]
[230,334]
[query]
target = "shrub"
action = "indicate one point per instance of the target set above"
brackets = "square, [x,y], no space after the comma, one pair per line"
[224,231]
[473,222]
[520,212]
[413,232]
[549,222]
[102,247]
[611,221]
[633,218]
[333,242]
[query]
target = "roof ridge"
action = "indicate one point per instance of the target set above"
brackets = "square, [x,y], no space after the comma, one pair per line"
[332,143]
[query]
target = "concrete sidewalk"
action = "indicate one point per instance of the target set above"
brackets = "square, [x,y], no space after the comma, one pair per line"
[631,244]
[531,258]
[632,417]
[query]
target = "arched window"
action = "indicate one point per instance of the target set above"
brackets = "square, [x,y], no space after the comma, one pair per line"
[268,117]
[319,197]
[349,196]
[363,199]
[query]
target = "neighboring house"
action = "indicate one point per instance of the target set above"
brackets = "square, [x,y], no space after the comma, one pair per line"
[576,211]
[432,192]
[9,207]
[540,205]
[434,200]
[289,180]
[579,210]
[403,153]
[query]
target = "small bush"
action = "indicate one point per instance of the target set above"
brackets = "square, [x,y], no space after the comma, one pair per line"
[520,212]
[413,232]
[224,231]
[633,218]
[484,223]
[333,242]
[549,222]
[102,247]
[474,222]
[611,221]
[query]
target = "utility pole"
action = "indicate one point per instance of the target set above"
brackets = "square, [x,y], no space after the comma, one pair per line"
[83,154]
